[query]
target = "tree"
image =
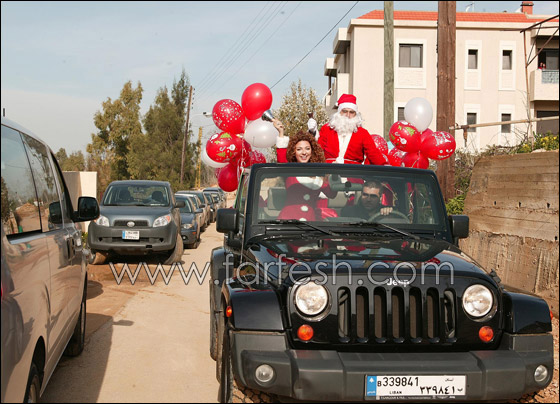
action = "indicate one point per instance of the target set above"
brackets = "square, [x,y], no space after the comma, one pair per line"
[61,156]
[75,162]
[117,124]
[156,155]
[297,103]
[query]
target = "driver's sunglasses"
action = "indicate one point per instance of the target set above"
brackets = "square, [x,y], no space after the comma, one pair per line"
[370,195]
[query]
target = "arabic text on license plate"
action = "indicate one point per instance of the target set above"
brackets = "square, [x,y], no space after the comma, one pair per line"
[131,235]
[415,386]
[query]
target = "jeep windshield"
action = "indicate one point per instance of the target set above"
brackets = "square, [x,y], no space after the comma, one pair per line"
[136,195]
[343,199]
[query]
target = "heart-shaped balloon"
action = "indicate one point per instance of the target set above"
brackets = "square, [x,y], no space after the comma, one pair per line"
[228,116]
[224,147]
[405,136]
[439,146]
[415,160]
[228,178]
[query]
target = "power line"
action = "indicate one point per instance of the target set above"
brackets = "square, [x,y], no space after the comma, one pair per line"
[264,24]
[316,44]
[231,49]
[263,44]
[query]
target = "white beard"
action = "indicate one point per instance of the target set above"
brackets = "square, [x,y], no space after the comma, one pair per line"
[345,126]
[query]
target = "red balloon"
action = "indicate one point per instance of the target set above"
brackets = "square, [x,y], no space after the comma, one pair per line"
[223,147]
[404,136]
[395,157]
[380,143]
[438,146]
[424,135]
[415,160]
[256,99]
[228,177]
[229,117]
[257,157]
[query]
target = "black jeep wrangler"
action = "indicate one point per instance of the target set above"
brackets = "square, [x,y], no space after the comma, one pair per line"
[346,283]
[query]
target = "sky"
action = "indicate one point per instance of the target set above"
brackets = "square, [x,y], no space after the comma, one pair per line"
[61,60]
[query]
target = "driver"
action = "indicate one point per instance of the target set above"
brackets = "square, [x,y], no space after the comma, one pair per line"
[369,203]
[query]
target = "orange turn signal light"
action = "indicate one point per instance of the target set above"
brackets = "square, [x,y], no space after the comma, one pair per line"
[486,334]
[305,332]
[229,311]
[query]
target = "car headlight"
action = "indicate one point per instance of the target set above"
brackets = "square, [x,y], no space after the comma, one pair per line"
[477,300]
[187,225]
[102,221]
[162,221]
[311,299]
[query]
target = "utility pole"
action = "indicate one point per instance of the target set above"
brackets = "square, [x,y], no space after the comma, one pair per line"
[185,137]
[446,89]
[389,70]
[198,169]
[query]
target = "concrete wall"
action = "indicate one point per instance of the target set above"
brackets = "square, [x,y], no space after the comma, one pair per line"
[513,208]
[81,183]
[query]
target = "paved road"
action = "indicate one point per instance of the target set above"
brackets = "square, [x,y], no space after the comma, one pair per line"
[144,343]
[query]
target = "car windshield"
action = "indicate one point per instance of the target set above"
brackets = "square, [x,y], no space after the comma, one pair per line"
[136,195]
[358,198]
[187,208]
[194,201]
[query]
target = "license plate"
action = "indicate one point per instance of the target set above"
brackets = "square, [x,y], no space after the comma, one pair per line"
[415,386]
[131,235]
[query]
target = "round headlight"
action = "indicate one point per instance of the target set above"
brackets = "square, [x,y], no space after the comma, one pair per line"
[477,300]
[311,299]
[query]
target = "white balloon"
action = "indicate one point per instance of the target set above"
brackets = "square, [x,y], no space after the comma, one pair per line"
[419,113]
[260,134]
[208,161]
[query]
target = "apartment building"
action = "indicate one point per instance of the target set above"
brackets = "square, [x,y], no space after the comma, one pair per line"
[491,82]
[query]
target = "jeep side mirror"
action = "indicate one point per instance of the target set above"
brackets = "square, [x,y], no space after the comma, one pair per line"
[226,220]
[180,204]
[459,226]
[88,209]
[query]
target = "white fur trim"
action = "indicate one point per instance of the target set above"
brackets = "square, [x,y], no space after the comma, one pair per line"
[349,105]
[282,142]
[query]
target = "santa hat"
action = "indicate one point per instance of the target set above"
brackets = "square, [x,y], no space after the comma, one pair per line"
[347,101]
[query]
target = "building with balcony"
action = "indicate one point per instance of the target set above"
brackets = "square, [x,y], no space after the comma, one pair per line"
[491,83]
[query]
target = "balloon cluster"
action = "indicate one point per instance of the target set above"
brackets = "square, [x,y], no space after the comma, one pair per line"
[414,143]
[242,128]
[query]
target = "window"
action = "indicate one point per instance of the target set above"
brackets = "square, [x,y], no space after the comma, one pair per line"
[548,59]
[506,128]
[471,120]
[400,114]
[49,201]
[410,55]
[507,59]
[20,211]
[473,59]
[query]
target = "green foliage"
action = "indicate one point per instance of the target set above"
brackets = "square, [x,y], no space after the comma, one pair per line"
[297,103]
[456,205]
[544,141]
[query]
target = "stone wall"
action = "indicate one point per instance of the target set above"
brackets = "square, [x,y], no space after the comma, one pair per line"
[513,208]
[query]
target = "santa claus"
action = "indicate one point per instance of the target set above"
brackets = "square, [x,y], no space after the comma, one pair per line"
[343,139]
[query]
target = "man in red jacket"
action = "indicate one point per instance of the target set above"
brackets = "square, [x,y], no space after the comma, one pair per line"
[343,139]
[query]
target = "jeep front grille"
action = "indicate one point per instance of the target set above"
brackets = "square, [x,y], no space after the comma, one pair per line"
[395,315]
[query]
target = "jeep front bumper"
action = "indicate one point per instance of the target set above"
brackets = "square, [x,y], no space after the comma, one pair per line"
[323,375]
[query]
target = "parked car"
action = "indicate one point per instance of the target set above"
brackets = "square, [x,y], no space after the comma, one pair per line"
[190,223]
[137,217]
[213,206]
[202,204]
[44,267]
[363,296]
[202,214]
[221,194]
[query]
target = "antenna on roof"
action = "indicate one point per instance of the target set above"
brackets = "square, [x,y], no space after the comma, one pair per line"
[469,6]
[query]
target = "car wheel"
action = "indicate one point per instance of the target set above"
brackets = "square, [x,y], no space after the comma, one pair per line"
[98,257]
[33,388]
[77,342]
[176,253]
[230,389]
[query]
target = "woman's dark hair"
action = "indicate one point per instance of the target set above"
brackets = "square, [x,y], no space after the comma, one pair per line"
[317,155]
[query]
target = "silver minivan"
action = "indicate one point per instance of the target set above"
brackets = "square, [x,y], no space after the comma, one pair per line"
[44,268]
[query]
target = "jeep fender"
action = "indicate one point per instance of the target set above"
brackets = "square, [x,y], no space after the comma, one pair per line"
[525,314]
[218,273]
[255,307]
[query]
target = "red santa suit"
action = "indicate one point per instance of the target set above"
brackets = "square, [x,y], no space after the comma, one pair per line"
[352,149]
